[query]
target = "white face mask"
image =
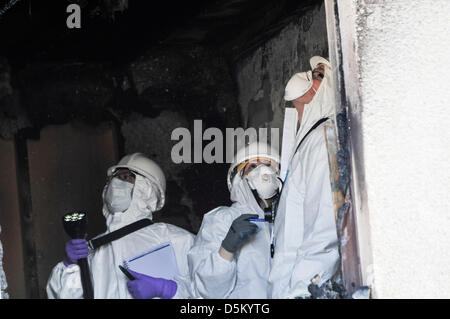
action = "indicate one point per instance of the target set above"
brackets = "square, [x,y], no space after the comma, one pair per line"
[264,180]
[118,195]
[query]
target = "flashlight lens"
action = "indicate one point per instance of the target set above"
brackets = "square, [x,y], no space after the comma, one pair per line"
[74,217]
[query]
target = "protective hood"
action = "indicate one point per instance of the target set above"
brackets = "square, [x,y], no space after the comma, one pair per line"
[145,200]
[241,195]
[322,105]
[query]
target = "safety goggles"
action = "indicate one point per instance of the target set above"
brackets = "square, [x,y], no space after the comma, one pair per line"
[249,165]
[124,174]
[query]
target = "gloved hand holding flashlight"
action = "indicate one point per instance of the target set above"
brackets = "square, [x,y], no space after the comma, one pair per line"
[75,249]
[146,287]
[75,225]
[240,232]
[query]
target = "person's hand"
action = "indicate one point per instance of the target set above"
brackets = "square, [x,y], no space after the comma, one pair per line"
[75,249]
[241,230]
[146,287]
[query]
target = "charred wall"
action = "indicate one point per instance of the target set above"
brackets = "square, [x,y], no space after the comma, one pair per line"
[80,102]
[263,73]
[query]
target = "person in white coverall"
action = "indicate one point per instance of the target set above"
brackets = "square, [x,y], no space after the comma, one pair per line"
[231,255]
[136,189]
[305,236]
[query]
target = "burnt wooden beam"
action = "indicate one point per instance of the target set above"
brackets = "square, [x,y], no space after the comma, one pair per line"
[339,165]
[340,161]
[26,215]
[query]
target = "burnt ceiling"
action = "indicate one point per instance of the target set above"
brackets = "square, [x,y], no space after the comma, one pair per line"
[118,30]
[129,56]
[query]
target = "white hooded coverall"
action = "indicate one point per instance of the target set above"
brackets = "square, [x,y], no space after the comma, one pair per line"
[107,279]
[305,235]
[246,276]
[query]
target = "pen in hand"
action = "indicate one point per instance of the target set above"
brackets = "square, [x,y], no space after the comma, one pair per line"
[127,273]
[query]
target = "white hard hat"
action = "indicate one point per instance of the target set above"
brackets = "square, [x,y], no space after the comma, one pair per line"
[298,85]
[144,166]
[316,60]
[252,151]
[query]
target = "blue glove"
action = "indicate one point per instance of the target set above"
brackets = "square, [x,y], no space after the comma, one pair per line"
[75,249]
[241,230]
[146,287]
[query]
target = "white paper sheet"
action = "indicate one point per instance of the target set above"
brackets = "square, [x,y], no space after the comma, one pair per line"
[160,262]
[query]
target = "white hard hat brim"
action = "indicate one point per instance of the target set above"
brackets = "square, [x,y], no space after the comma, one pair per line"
[144,166]
[316,60]
[298,85]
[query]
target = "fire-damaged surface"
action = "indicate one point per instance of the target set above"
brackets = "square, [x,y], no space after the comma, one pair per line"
[132,73]
[135,64]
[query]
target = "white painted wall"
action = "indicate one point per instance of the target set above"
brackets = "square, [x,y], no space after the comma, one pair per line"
[402,118]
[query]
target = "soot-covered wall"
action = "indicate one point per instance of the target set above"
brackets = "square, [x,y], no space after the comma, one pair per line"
[133,104]
[262,75]
[182,85]
[139,104]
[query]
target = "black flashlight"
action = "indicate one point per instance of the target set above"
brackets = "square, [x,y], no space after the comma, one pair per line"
[75,225]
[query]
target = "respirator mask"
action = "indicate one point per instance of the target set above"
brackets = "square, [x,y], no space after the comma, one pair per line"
[264,180]
[118,195]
